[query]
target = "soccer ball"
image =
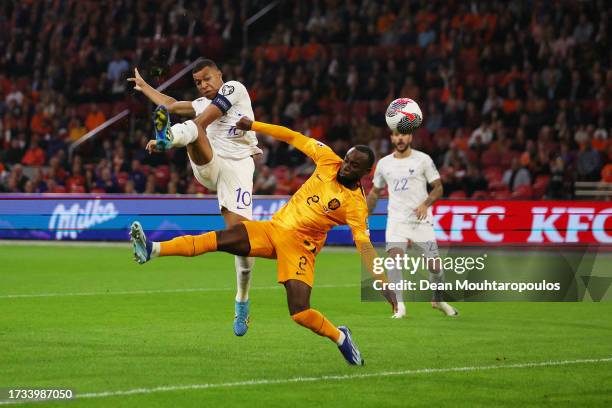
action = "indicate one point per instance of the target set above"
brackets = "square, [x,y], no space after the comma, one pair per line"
[404,116]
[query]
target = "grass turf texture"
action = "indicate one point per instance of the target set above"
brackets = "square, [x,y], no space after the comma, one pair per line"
[99,343]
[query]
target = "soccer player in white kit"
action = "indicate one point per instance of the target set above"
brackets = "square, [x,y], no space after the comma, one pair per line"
[406,173]
[221,157]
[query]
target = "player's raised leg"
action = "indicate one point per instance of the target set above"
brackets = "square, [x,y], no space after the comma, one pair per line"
[298,300]
[234,240]
[187,134]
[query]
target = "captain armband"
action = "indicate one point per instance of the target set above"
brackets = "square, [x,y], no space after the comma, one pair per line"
[222,103]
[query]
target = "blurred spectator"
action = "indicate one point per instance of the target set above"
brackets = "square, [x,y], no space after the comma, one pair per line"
[107,181]
[117,67]
[589,163]
[16,179]
[129,188]
[293,109]
[15,152]
[265,181]
[95,117]
[455,155]
[150,186]
[77,129]
[474,181]
[482,135]
[518,175]
[34,156]
[556,185]
[137,177]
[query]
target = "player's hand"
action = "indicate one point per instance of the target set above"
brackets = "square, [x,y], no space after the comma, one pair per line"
[244,123]
[152,147]
[421,212]
[139,83]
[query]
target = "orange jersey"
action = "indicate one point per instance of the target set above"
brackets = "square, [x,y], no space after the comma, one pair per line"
[321,202]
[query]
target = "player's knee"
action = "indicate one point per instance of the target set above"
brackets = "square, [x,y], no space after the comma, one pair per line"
[298,307]
[234,240]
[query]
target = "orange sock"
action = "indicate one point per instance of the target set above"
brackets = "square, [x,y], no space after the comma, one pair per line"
[318,323]
[189,245]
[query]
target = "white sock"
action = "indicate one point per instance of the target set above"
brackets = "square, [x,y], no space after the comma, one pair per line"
[155,250]
[184,133]
[395,276]
[436,278]
[244,267]
[341,338]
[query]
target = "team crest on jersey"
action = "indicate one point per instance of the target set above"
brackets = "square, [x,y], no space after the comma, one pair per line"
[333,204]
[227,90]
[411,171]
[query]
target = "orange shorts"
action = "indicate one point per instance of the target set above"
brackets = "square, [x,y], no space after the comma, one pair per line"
[295,254]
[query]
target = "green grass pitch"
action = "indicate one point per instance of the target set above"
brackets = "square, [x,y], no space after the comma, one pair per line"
[106,325]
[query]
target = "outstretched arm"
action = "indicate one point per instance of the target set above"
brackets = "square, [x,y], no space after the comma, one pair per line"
[306,145]
[183,108]
[368,254]
[357,222]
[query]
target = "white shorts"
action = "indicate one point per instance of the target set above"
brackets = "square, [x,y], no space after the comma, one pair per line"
[421,234]
[233,181]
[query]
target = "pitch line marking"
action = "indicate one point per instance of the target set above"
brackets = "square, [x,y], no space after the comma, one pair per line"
[156,291]
[271,381]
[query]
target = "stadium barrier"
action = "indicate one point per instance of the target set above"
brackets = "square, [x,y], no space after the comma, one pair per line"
[107,217]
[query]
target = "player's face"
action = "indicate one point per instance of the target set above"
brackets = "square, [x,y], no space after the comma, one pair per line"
[354,167]
[401,142]
[208,81]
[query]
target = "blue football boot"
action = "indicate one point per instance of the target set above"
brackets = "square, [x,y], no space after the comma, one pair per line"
[142,247]
[241,318]
[349,349]
[161,128]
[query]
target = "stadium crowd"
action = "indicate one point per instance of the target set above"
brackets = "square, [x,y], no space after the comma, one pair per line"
[516,95]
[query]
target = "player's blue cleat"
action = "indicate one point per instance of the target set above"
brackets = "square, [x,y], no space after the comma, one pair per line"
[142,247]
[241,319]
[349,349]
[161,127]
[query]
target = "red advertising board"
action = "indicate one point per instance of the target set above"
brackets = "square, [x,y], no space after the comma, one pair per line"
[525,222]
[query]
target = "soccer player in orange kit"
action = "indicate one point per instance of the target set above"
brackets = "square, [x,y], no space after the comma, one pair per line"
[331,196]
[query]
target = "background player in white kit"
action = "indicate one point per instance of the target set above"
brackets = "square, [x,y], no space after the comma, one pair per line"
[221,157]
[406,173]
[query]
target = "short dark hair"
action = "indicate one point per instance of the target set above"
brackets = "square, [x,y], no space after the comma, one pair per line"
[366,149]
[203,64]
